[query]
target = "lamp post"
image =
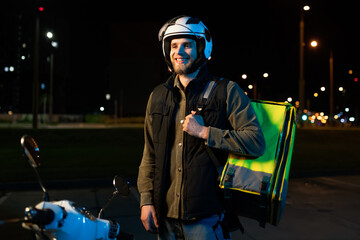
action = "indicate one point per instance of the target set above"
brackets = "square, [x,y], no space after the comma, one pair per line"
[331,100]
[54,44]
[331,81]
[301,60]
[35,103]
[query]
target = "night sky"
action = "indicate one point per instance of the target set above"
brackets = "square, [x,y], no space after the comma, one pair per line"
[107,47]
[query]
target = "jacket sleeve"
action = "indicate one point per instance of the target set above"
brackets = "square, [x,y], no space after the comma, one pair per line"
[246,136]
[147,166]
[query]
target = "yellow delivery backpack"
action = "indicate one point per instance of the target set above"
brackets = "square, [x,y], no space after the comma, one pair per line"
[257,187]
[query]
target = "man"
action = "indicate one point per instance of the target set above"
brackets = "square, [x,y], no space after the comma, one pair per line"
[184,148]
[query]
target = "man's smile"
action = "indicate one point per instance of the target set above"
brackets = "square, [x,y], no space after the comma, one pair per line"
[181,60]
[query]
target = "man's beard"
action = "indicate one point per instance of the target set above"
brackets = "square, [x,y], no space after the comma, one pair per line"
[184,68]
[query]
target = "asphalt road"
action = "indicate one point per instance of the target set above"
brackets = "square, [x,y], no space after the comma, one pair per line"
[316,208]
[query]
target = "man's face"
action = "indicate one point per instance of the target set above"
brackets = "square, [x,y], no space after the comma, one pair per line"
[183,53]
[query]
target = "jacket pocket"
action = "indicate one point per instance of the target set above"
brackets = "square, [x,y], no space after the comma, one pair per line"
[160,120]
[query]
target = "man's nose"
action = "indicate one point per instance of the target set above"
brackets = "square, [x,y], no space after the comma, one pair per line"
[181,49]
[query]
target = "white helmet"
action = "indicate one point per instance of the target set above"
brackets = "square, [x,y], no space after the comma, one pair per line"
[187,27]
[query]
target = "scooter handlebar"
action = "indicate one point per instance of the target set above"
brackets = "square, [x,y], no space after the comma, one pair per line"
[39,216]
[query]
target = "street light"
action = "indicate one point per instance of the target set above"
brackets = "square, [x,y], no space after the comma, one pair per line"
[49,35]
[54,44]
[314,43]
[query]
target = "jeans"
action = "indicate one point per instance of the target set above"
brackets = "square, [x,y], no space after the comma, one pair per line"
[205,229]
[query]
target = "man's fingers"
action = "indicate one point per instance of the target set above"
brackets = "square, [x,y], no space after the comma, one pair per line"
[146,223]
[155,219]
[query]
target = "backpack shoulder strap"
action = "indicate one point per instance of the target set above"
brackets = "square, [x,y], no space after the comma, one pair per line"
[204,97]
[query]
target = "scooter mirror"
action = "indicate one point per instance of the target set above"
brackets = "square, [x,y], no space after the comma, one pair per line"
[121,185]
[31,150]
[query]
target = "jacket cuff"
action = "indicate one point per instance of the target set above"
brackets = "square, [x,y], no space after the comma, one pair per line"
[213,135]
[146,199]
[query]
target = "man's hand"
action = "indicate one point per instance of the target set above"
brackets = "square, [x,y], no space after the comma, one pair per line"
[149,219]
[194,125]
